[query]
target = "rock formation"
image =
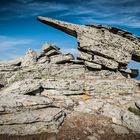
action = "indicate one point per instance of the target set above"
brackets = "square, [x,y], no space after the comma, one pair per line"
[92,95]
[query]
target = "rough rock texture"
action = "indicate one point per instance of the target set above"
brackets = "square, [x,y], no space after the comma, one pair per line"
[53,96]
[30,58]
[108,46]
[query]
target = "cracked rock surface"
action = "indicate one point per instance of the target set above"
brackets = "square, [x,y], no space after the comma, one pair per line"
[53,96]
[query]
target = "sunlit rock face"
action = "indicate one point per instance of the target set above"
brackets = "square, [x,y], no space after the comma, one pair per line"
[108,46]
[54,93]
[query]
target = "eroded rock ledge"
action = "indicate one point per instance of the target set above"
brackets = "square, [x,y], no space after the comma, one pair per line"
[51,92]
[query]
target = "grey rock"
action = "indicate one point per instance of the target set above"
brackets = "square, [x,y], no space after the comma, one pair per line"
[131,121]
[86,56]
[63,86]
[30,58]
[108,63]
[120,129]
[63,26]
[32,122]
[107,42]
[93,65]
[113,112]
[14,102]
[43,59]
[52,52]
[61,58]
[47,47]
[108,87]
[89,105]
[28,86]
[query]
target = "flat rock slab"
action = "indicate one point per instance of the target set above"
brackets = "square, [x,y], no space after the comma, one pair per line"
[104,87]
[14,102]
[32,121]
[93,65]
[28,86]
[61,58]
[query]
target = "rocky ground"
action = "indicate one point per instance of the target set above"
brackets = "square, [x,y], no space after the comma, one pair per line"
[53,96]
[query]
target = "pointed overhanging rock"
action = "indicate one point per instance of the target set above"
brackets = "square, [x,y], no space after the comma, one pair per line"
[60,25]
[110,46]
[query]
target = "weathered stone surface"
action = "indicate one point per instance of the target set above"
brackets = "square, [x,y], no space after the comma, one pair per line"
[14,102]
[52,52]
[95,88]
[93,65]
[120,129]
[33,121]
[103,87]
[57,59]
[63,84]
[85,56]
[63,26]
[30,58]
[28,86]
[108,63]
[107,74]
[44,59]
[131,121]
[108,42]
[47,47]
[98,45]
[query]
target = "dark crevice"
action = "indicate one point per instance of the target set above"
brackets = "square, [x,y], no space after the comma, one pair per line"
[33,93]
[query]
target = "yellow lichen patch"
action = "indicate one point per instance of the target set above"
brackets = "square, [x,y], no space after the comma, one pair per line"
[85,97]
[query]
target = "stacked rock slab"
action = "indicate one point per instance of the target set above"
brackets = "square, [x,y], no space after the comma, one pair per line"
[38,90]
[101,47]
[50,54]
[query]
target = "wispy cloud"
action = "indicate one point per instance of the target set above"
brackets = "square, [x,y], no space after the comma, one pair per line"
[18,10]
[11,48]
[120,12]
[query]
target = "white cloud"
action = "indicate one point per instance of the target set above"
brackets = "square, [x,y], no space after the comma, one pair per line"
[7,42]
[118,12]
[12,47]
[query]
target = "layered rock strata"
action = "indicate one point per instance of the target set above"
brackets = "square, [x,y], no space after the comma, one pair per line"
[44,92]
[109,47]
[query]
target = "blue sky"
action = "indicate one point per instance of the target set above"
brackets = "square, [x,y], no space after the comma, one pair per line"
[19,29]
